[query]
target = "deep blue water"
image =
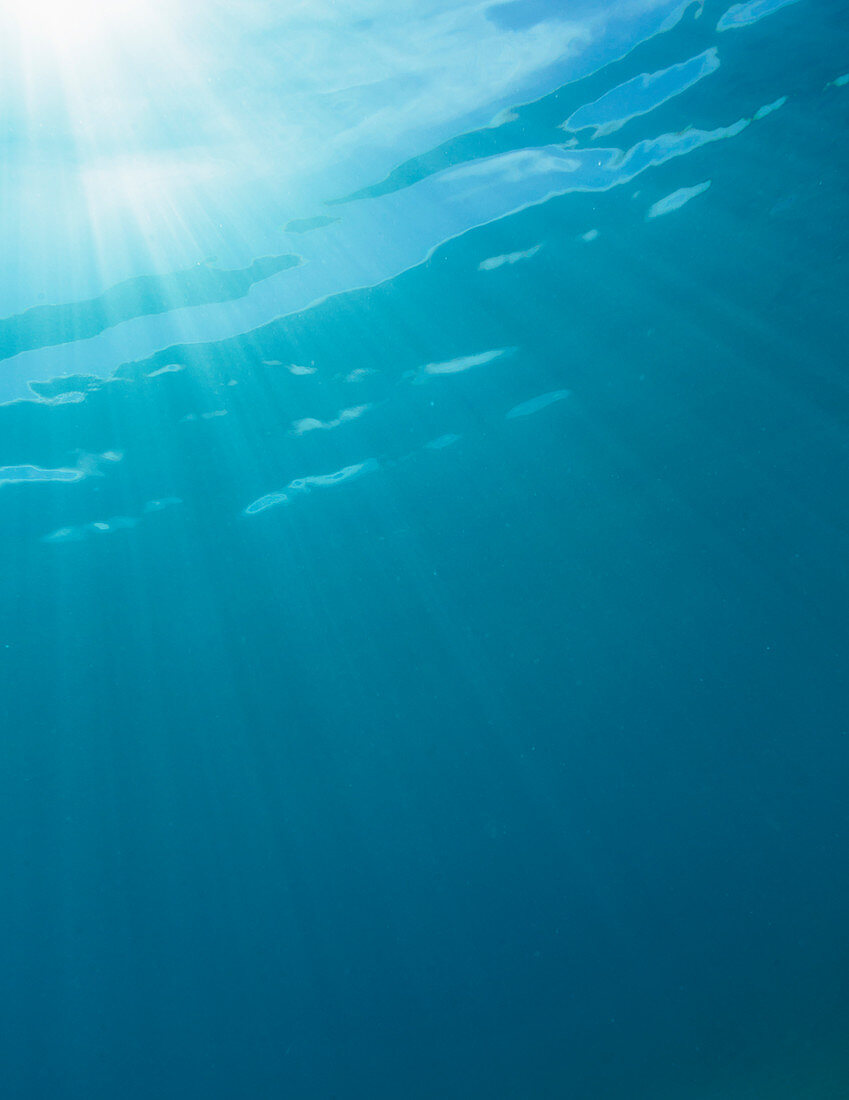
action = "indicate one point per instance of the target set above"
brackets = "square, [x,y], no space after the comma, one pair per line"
[423,638]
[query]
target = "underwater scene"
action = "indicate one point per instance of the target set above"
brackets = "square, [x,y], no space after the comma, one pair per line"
[424,629]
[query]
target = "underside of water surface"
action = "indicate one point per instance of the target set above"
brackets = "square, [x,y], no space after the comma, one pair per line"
[423,477]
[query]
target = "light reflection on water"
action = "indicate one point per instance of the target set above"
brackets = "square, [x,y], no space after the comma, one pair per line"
[422,651]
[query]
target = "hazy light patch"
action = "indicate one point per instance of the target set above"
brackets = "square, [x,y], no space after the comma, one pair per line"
[508,258]
[161,504]
[359,374]
[96,527]
[111,525]
[768,108]
[88,465]
[65,534]
[590,235]
[171,368]
[16,475]
[298,369]
[310,424]
[677,15]
[528,408]
[213,414]
[743,15]
[347,473]
[502,118]
[677,199]
[443,441]
[268,501]
[840,81]
[515,167]
[303,485]
[464,362]
[640,95]
[655,151]
[70,397]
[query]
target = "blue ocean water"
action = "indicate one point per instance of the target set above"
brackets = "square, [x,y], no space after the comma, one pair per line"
[423,465]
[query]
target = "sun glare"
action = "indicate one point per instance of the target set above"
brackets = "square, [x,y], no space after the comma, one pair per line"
[76,24]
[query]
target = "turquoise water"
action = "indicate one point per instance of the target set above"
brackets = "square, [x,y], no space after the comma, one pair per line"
[423,459]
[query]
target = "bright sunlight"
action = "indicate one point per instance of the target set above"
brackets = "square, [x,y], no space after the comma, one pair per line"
[80,26]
